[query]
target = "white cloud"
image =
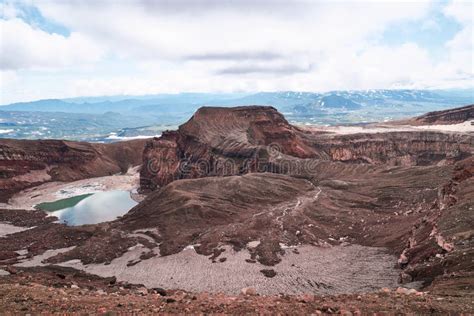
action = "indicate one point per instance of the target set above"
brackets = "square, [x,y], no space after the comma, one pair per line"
[22,46]
[210,45]
[8,10]
[459,63]
[463,13]
[172,30]
[461,10]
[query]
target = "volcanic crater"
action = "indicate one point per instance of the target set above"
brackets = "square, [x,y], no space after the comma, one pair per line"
[238,197]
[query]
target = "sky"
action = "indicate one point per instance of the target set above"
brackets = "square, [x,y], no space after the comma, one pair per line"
[70,48]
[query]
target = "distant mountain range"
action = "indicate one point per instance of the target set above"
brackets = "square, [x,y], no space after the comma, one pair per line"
[96,118]
[284,101]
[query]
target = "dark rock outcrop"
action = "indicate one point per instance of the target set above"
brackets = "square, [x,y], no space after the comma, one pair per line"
[221,141]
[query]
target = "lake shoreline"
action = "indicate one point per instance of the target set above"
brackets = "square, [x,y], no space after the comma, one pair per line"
[53,191]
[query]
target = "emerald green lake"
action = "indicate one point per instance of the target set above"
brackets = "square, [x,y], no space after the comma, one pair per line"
[90,208]
[61,204]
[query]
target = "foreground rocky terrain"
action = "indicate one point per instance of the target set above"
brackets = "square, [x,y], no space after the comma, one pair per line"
[53,291]
[237,198]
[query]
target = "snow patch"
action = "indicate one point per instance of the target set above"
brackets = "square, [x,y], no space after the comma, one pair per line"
[461,127]
[114,136]
[72,190]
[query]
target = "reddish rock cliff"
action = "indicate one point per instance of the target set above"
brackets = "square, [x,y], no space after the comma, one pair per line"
[235,141]
[397,148]
[451,116]
[221,141]
[24,163]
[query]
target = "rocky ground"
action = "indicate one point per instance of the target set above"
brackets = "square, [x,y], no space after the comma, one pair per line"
[59,290]
[327,219]
[305,269]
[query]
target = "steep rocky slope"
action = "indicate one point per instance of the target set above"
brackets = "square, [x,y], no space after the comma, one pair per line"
[441,243]
[24,163]
[451,116]
[235,141]
[417,148]
[220,141]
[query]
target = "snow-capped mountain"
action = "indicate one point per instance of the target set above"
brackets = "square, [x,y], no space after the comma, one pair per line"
[92,118]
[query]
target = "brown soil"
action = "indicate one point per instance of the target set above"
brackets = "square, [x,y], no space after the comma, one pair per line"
[61,291]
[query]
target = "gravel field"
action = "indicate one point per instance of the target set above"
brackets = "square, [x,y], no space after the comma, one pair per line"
[332,270]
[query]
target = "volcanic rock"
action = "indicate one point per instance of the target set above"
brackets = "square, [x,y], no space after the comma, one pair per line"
[249,291]
[25,163]
[286,185]
[230,177]
[451,116]
[235,141]
[221,141]
[269,273]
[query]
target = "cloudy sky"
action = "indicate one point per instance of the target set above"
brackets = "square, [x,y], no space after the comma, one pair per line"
[61,48]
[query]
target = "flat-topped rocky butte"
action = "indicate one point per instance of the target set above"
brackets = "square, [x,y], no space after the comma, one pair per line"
[239,198]
[254,138]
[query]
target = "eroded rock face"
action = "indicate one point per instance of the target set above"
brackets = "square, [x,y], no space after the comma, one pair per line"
[235,141]
[162,153]
[221,141]
[24,163]
[451,116]
[445,235]
[330,203]
[398,148]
